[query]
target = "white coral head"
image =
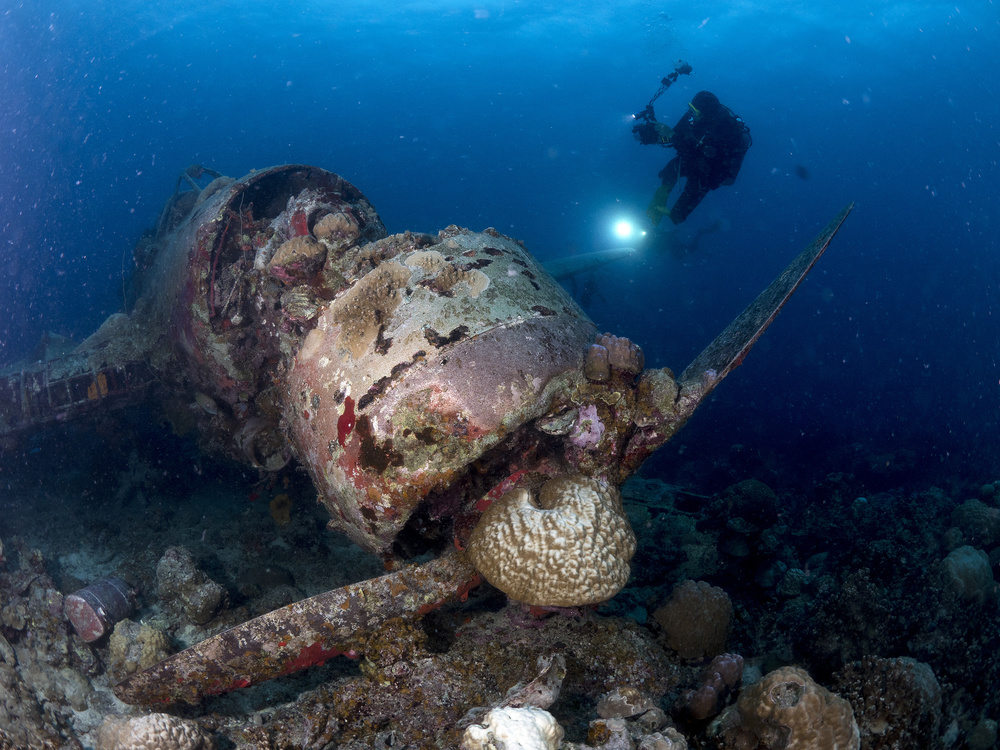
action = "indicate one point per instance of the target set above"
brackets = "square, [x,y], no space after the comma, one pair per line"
[526,728]
[570,547]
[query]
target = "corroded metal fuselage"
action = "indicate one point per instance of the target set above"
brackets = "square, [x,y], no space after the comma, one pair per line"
[425,366]
[212,319]
[410,374]
[417,378]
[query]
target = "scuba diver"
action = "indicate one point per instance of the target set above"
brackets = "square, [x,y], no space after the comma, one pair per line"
[711,142]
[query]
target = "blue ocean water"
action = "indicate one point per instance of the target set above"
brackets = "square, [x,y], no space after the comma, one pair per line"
[516,115]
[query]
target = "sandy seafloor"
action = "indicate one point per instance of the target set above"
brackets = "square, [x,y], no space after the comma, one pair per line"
[883,591]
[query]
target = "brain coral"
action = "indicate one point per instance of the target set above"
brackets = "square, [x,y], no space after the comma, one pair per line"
[786,710]
[570,547]
[153,732]
[696,619]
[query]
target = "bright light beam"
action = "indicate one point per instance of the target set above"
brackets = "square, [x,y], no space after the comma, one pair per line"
[624,229]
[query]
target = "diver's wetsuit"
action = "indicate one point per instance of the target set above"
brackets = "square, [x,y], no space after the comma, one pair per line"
[710,151]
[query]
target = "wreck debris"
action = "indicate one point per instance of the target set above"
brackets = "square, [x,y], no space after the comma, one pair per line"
[94,610]
[415,378]
[306,633]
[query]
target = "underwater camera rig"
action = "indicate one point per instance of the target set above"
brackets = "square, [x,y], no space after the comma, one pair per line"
[644,129]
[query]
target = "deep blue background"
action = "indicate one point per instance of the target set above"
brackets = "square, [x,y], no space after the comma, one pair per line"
[516,115]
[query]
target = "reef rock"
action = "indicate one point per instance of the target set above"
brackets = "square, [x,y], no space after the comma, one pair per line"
[41,680]
[181,585]
[496,659]
[968,573]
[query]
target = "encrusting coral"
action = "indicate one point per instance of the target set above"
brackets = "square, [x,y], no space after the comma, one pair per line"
[571,548]
[297,259]
[623,702]
[361,311]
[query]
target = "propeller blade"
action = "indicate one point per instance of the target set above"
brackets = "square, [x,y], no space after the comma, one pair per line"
[304,634]
[727,351]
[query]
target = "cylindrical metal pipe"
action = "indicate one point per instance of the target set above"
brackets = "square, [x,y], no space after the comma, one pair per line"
[94,610]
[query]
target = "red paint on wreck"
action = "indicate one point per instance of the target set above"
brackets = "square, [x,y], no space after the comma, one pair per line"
[499,491]
[346,421]
[313,655]
[461,593]
[299,224]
